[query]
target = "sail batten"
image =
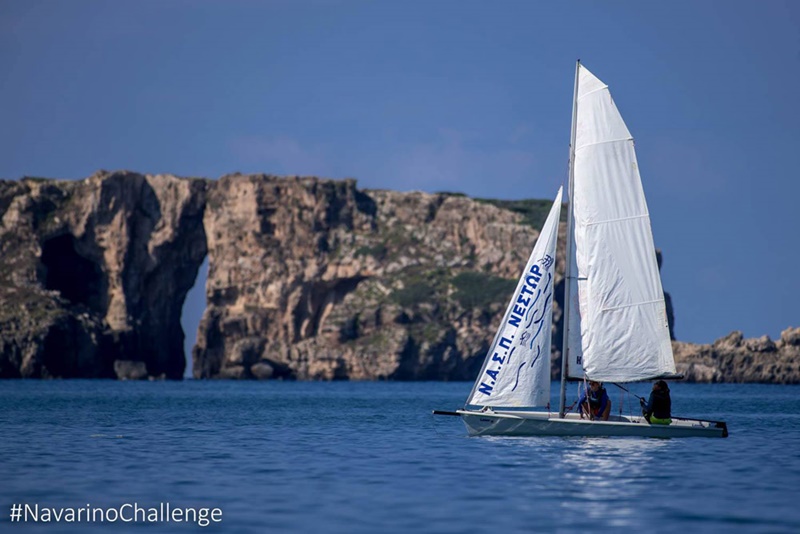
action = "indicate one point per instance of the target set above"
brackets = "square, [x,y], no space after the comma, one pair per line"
[646,215]
[603,143]
[632,305]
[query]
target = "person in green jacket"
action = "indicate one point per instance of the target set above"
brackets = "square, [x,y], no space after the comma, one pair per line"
[658,408]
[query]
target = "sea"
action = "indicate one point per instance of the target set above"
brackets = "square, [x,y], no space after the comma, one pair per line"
[367,457]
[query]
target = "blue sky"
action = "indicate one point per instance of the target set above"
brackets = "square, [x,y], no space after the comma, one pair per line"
[469,96]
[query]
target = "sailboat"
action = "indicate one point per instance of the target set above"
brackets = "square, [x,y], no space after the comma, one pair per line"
[615,321]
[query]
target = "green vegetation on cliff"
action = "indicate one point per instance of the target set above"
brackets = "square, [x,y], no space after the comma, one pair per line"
[534,212]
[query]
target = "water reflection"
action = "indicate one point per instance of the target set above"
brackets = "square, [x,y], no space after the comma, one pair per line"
[609,477]
[594,481]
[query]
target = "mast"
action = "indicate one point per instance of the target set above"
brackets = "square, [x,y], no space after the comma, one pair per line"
[568,267]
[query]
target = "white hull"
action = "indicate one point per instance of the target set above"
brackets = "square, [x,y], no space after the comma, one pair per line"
[500,423]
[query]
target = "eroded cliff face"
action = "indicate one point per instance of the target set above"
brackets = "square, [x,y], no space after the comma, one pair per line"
[308,279]
[93,274]
[315,279]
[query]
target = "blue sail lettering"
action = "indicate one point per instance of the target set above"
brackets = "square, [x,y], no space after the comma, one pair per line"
[493,374]
[485,388]
[505,343]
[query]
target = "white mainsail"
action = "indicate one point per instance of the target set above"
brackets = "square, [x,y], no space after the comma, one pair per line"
[618,332]
[516,371]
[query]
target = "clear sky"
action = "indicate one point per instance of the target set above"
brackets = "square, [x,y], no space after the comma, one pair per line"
[439,95]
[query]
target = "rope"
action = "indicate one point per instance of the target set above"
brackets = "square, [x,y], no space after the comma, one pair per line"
[625,389]
[588,407]
[641,399]
[630,404]
[569,408]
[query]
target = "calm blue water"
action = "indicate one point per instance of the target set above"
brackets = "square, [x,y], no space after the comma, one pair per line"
[369,457]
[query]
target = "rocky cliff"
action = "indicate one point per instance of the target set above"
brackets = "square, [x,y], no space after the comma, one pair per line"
[735,359]
[308,279]
[318,280]
[93,274]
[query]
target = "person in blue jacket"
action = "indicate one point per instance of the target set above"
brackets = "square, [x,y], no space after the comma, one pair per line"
[658,408]
[595,403]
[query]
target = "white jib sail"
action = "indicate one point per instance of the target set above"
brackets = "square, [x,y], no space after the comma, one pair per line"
[516,371]
[623,321]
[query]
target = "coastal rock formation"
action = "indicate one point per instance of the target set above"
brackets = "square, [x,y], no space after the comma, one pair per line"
[95,271]
[315,279]
[735,359]
[308,279]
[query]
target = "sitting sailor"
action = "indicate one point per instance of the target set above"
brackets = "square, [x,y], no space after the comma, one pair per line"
[657,409]
[595,403]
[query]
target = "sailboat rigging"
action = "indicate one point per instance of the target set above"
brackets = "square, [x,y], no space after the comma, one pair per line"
[615,322]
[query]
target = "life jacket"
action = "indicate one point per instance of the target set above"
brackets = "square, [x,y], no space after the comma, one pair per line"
[595,399]
[662,405]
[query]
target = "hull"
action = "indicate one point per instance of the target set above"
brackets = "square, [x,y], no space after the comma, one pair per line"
[492,423]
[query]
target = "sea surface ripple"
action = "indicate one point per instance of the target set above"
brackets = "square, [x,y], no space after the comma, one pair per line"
[368,457]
